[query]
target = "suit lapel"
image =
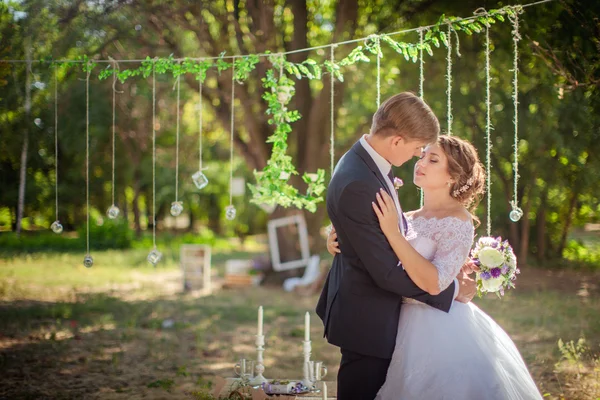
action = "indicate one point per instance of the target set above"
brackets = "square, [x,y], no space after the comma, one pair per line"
[362,153]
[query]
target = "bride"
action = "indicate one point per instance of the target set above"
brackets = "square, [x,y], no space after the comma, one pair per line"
[463,354]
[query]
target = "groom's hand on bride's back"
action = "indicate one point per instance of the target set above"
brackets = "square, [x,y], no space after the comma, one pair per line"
[467,288]
[333,247]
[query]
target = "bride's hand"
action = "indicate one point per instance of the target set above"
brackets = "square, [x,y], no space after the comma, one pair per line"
[333,247]
[386,213]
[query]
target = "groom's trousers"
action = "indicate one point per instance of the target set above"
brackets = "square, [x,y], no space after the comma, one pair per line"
[360,377]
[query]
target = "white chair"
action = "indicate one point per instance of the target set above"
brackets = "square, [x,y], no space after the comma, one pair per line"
[311,273]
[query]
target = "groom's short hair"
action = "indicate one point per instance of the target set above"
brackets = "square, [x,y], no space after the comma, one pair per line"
[406,115]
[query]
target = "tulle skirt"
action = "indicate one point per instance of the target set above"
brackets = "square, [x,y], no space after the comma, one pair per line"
[460,355]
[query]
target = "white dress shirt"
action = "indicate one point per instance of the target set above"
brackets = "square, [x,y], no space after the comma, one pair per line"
[385,167]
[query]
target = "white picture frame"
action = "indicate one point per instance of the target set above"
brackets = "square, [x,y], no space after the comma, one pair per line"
[195,262]
[272,226]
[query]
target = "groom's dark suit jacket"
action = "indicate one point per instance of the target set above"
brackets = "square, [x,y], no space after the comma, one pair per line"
[360,302]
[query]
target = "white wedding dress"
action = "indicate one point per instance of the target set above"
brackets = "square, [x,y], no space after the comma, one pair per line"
[460,355]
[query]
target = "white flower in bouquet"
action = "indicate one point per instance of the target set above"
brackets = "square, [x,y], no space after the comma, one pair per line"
[490,257]
[493,284]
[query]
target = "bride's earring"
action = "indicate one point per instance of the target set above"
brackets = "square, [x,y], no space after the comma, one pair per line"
[449,184]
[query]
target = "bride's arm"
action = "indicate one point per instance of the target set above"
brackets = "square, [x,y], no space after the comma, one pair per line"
[423,273]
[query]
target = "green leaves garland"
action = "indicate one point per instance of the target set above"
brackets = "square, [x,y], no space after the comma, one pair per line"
[271,186]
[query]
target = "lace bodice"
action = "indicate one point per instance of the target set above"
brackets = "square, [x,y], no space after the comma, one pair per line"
[445,242]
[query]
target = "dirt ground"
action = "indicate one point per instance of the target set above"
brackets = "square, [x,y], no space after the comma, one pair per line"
[149,341]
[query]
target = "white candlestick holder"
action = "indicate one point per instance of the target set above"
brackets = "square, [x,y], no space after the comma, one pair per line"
[306,349]
[259,379]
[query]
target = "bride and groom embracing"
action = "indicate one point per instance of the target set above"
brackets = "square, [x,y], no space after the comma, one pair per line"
[397,298]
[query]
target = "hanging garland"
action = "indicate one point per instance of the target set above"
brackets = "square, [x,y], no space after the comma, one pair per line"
[177,206]
[272,182]
[88,261]
[113,211]
[516,213]
[56,225]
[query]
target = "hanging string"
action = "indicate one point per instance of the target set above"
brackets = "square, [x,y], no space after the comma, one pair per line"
[421,84]
[200,123]
[177,141]
[154,155]
[331,117]
[113,129]
[56,138]
[378,42]
[516,38]
[449,80]
[231,134]
[87,154]
[421,67]
[488,129]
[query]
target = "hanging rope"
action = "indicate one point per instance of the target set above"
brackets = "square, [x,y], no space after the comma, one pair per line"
[516,38]
[421,67]
[378,42]
[114,91]
[87,155]
[421,89]
[56,138]
[488,131]
[449,81]
[200,123]
[177,141]
[153,155]
[332,116]
[231,134]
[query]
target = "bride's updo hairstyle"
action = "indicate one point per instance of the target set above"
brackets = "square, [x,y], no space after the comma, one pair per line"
[465,169]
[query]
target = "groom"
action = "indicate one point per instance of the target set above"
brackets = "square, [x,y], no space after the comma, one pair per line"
[361,301]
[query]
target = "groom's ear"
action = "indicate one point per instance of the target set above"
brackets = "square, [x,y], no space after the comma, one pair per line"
[396,140]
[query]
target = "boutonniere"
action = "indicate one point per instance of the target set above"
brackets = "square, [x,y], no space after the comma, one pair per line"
[398,183]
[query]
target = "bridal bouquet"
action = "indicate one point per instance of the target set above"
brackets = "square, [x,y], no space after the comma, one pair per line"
[497,263]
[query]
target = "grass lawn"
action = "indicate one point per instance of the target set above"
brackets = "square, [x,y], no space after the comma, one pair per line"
[67,332]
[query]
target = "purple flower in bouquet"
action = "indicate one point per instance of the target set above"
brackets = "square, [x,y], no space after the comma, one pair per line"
[504,269]
[485,275]
[398,183]
[496,272]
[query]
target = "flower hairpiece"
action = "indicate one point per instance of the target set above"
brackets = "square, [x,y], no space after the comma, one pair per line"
[398,183]
[463,188]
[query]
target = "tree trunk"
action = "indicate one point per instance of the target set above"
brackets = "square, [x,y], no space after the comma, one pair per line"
[214,214]
[567,226]
[528,192]
[25,149]
[135,206]
[541,226]
[525,226]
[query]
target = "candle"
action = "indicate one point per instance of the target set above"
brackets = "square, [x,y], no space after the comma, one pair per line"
[307,327]
[260,321]
[324,391]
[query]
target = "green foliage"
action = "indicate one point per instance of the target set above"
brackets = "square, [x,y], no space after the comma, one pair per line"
[271,183]
[111,234]
[166,384]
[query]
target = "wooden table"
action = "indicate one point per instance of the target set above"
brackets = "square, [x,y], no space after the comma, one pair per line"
[222,387]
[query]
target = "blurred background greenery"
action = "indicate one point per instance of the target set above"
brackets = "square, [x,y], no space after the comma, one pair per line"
[558,123]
